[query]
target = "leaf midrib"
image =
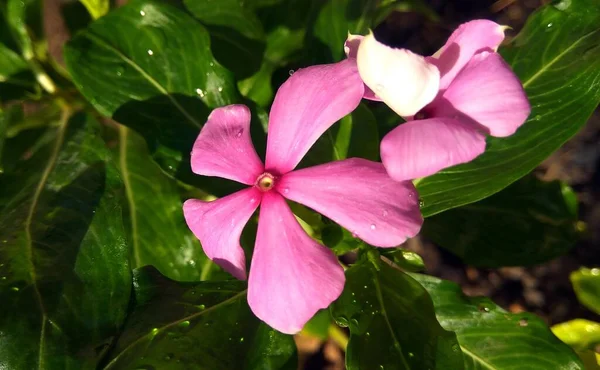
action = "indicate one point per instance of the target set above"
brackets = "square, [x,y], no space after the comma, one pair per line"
[176,322]
[387,321]
[123,138]
[28,221]
[98,40]
[556,58]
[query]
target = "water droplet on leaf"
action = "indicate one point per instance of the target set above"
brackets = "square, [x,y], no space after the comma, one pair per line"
[523,322]
[150,52]
[142,13]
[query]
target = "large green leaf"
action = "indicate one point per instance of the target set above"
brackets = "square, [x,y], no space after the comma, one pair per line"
[586,283]
[557,58]
[494,339]
[392,322]
[157,230]
[64,277]
[149,66]
[204,325]
[529,222]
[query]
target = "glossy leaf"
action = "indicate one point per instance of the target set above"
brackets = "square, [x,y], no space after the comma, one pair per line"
[392,322]
[491,338]
[557,58]
[529,222]
[586,283]
[149,66]
[204,325]
[229,13]
[579,333]
[64,277]
[157,231]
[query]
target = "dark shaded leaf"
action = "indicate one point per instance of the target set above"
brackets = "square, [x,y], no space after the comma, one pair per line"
[64,278]
[204,325]
[529,222]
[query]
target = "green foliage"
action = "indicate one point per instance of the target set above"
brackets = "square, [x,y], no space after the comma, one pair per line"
[98,269]
[196,325]
[491,338]
[529,222]
[586,283]
[64,276]
[392,322]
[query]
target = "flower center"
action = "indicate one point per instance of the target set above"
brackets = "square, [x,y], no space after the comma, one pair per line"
[265,182]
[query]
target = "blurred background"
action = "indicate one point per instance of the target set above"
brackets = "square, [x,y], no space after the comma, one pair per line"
[543,289]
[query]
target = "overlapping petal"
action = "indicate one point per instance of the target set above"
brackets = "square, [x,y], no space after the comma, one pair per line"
[421,148]
[291,275]
[404,81]
[224,147]
[219,224]
[305,106]
[489,93]
[359,195]
[469,39]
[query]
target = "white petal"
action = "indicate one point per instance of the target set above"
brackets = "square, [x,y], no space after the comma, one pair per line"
[403,80]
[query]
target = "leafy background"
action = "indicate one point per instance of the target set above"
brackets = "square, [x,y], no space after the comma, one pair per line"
[101,103]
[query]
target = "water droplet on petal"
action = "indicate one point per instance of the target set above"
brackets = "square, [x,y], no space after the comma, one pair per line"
[354,235]
[286,190]
[150,52]
[373,226]
[239,133]
[252,200]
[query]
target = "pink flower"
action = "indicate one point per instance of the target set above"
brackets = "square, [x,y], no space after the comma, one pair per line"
[291,275]
[449,112]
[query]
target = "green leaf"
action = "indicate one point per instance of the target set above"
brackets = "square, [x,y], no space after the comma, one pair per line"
[149,66]
[285,24]
[527,223]
[491,338]
[157,230]
[204,325]
[579,333]
[10,63]
[337,18]
[96,8]
[228,13]
[586,283]
[24,18]
[392,322]
[64,278]
[557,58]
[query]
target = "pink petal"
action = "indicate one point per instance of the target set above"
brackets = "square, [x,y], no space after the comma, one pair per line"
[488,92]
[469,39]
[421,148]
[404,81]
[219,224]
[359,195]
[291,275]
[224,147]
[306,105]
